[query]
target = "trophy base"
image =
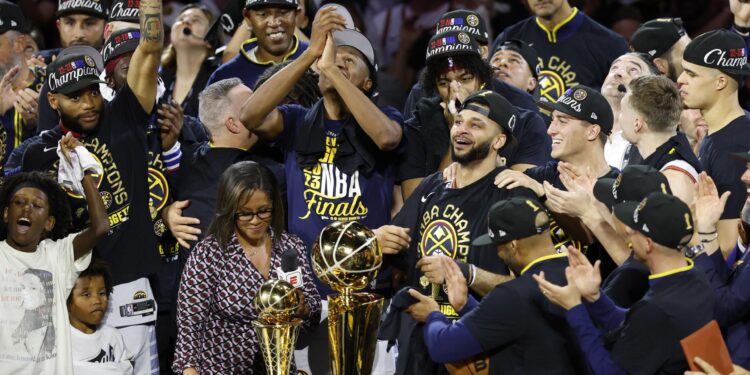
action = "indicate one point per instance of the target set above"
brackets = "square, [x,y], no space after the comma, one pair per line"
[277,345]
[353,322]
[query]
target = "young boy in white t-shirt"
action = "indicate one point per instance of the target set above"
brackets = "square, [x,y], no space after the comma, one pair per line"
[39,264]
[97,349]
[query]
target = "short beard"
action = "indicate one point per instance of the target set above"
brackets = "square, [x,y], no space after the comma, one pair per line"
[72,124]
[477,152]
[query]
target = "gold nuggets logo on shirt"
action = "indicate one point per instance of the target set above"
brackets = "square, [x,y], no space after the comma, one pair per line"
[330,193]
[158,191]
[555,77]
[464,38]
[444,230]
[472,20]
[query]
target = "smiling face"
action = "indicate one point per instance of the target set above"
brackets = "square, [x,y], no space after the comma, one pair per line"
[88,302]
[474,137]
[624,69]
[254,217]
[569,136]
[274,28]
[510,66]
[27,218]
[79,111]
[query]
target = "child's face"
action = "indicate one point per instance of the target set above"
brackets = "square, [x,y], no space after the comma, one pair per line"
[88,302]
[27,218]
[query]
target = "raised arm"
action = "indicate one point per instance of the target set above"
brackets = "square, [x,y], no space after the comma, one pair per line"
[99,227]
[142,76]
[259,113]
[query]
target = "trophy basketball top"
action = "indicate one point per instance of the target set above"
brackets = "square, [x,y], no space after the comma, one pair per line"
[346,256]
[276,302]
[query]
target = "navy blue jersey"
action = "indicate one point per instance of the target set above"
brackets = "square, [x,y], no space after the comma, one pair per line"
[246,68]
[716,159]
[324,193]
[578,52]
[127,185]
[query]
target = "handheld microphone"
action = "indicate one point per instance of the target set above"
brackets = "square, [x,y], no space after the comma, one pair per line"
[290,270]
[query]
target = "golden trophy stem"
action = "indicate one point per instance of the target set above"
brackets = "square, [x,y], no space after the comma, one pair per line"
[353,322]
[277,345]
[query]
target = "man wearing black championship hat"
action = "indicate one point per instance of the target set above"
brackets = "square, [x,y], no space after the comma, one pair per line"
[273,23]
[472,25]
[442,219]
[581,120]
[574,49]
[646,338]
[664,41]
[522,335]
[713,64]
[649,116]
[516,63]
[123,14]
[455,70]
[115,133]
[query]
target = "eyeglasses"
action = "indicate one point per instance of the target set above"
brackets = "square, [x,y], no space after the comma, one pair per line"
[246,217]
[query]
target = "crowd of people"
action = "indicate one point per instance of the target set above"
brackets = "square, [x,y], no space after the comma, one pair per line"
[553,197]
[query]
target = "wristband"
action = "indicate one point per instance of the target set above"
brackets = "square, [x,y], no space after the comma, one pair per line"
[465,270]
[172,157]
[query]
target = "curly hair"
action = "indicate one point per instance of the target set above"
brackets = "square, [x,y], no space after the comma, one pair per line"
[471,63]
[98,267]
[56,198]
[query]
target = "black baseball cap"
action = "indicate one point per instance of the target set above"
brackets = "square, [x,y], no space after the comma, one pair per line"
[92,7]
[356,40]
[719,49]
[11,17]
[120,42]
[633,184]
[661,217]
[72,73]
[254,4]
[451,43]
[512,219]
[525,50]
[500,110]
[466,21]
[125,11]
[586,104]
[656,37]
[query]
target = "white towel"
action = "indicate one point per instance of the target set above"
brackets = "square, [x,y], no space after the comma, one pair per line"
[70,174]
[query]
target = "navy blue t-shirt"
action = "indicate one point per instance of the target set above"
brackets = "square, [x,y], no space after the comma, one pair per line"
[716,158]
[322,194]
[578,52]
[244,67]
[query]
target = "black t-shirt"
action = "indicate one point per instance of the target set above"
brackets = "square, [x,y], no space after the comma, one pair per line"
[648,342]
[520,330]
[676,148]
[595,251]
[716,158]
[198,179]
[427,137]
[628,283]
[444,221]
[120,145]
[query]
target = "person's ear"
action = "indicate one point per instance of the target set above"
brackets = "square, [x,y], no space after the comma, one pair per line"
[52,99]
[110,82]
[531,84]
[368,85]
[592,133]
[19,46]
[662,65]
[49,224]
[499,141]
[231,124]
[722,81]
[5,215]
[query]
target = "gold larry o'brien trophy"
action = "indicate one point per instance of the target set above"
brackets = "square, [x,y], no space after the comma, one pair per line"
[276,303]
[346,256]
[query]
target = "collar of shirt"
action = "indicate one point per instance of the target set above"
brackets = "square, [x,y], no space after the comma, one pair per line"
[249,47]
[654,279]
[542,259]
[564,29]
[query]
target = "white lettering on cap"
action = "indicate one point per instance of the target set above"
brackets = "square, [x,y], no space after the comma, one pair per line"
[570,102]
[119,12]
[55,81]
[90,4]
[718,57]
